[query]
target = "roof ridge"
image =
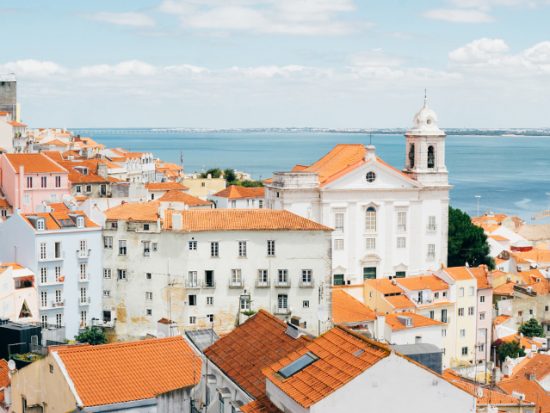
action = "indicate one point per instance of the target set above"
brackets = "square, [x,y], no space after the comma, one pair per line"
[118,344]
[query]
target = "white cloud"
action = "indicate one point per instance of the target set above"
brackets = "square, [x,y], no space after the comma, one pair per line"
[126,68]
[32,68]
[481,50]
[305,17]
[132,19]
[459,15]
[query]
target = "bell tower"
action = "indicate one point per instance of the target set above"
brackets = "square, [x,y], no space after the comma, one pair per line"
[425,149]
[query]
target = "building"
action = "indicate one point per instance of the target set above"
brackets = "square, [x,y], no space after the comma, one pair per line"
[156,375]
[203,187]
[8,95]
[239,197]
[63,248]
[387,222]
[157,189]
[18,294]
[203,268]
[343,370]
[30,180]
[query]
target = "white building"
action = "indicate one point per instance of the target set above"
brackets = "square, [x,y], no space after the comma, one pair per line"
[63,248]
[18,294]
[239,197]
[202,268]
[387,222]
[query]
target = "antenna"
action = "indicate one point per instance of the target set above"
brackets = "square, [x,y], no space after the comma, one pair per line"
[425,97]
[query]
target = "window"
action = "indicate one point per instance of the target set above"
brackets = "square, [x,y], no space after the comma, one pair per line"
[299,364]
[431,223]
[371,177]
[271,248]
[236,277]
[370,243]
[260,203]
[114,225]
[307,278]
[106,293]
[44,321]
[83,274]
[43,275]
[370,220]
[338,244]
[431,157]
[146,227]
[209,279]
[481,298]
[436,295]
[78,189]
[107,273]
[233,204]
[482,316]
[192,279]
[83,318]
[83,295]
[263,278]
[209,300]
[305,304]
[192,299]
[444,316]
[481,348]
[461,292]
[431,251]
[462,332]
[146,248]
[369,273]
[244,302]
[57,249]
[58,182]
[411,155]
[210,317]
[121,274]
[88,188]
[401,242]
[122,247]
[464,351]
[471,310]
[148,311]
[400,274]
[83,245]
[148,276]
[471,291]
[339,221]
[221,404]
[42,250]
[58,296]
[80,222]
[401,221]
[338,279]
[154,246]
[461,312]
[282,301]
[29,181]
[40,225]
[108,243]
[148,295]
[242,249]
[214,249]
[58,323]
[192,320]
[282,276]
[192,245]
[432,314]
[443,332]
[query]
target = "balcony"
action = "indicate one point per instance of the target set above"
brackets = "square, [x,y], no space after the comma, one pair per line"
[83,254]
[282,284]
[262,284]
[281,310]
[84,278]
[236,283]
[58,304]
[192,284]
[47,258]
[307,284]
[208,284]
[85,300]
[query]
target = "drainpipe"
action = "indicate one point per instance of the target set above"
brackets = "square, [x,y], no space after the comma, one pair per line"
[20,189]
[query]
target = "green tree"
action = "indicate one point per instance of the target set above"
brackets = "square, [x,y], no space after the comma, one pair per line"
[251,183]
[467,242]
[213,172]
[511,349]
[230,176]
[91,335]
[532,328]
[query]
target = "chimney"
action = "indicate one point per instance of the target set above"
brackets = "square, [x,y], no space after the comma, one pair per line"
[177,221]
[102,170]
[380,327]
[370,155]
[293,331]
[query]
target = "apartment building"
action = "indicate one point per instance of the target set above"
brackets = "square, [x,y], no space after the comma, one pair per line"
[212,268]
[239,197]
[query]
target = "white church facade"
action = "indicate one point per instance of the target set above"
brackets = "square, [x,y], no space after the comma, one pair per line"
[387,222]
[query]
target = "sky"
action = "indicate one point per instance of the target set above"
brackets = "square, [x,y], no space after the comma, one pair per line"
[278,63]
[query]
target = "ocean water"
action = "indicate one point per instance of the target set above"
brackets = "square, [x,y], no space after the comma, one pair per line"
[511,174]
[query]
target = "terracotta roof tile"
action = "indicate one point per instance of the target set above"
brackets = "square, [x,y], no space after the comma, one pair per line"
[261,405]
[399,302]
[342,356]
[418,321]
[165,186]
[122,372]
[346,309]
[385,286]
[53,220]
[425,282]
[539,365]
[179,196]
[255,344]
[505,289]
[4,374]
[459,273]
[499,319]
[134,211]
[34,163]
[240,192]
[524,342]
[532,390]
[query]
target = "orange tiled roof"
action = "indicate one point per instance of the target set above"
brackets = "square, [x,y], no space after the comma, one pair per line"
[4,203]
[261,405]
[384,285]
[53,220]
[240,192]
[399,301]
[55,156]
[17,124]
[489,397]
[539,365]
[535,254]
[459,273]
[532,390]
[33,163]
[4,374]
[481,273]
[500,319]
[418,321]
[505,289]
[179,196]
[127,371]
[255,344]
[134,211]
[524,342]
[497,237]
[342,356]
[424,282]
[346,309]
[165,186]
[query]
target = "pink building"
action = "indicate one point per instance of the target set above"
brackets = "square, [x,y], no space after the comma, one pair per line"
[28,180]
[484,312]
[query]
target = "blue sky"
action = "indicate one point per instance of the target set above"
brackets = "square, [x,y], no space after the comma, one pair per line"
[268,63]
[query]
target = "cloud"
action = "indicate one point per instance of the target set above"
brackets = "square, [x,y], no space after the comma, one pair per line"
[132,19]
[290,17]
[481,50]
[126,68]
[29,68]
[459,15]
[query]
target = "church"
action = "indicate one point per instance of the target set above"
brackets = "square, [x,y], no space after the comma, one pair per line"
[387,222]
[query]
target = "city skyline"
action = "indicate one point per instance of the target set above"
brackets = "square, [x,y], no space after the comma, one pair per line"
[261,63]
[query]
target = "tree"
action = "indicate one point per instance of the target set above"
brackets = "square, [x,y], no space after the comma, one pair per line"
[531,328]
[467,242]
[213,172]
[511,349]
[91,335]
[251,184]
[230,176]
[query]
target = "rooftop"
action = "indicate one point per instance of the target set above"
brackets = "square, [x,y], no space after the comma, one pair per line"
[33,163]
[346,309]
[396,321]
[165,186]
[173,195]
[424,282]
[240,192]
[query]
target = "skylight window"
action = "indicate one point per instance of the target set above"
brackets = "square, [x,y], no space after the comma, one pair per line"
[298,365]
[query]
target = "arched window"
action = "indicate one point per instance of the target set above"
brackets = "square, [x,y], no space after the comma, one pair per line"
[370,220]
[431,157]
[411,155]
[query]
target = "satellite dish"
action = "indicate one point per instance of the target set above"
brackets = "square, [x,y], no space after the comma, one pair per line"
[11,365]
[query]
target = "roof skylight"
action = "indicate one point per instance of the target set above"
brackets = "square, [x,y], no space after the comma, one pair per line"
[298,365]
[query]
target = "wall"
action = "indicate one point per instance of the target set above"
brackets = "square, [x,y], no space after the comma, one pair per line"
[202,187]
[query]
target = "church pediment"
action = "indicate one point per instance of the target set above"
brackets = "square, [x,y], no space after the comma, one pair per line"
[370,258]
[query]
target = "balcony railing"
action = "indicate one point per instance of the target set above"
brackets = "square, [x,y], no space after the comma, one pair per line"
[262,283]
[84,278]
[306,284]
[57,304]
[85,300]
[281,310]
[192,284]
[209,284]
[51,258]
[82,254]
[236,283]
[282,284]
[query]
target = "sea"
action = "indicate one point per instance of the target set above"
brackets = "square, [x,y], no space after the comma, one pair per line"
[501,174]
